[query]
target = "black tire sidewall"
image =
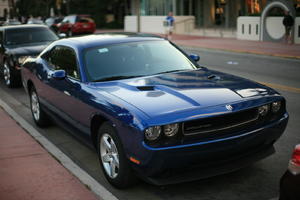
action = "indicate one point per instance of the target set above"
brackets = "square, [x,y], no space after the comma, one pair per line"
[70,33]
[14,79]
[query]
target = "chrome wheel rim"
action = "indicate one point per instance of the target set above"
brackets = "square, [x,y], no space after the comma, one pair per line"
[109,156]
[35,106]
[6,73]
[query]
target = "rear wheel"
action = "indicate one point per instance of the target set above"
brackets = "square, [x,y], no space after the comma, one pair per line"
[39,116]
[112,158]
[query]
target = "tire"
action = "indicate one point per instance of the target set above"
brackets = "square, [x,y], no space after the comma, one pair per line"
[10,76]
[113,161]
[40,118]
[70,33]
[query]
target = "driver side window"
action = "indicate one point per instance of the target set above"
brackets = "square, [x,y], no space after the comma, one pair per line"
[61,57]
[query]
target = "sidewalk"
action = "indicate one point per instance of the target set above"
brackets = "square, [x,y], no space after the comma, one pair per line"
[29,172]
[234,45]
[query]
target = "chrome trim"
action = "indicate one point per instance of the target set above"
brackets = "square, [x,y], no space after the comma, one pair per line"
[219,129]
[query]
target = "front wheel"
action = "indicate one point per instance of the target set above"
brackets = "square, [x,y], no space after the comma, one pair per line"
[39,116]
[112,158]
[10,78]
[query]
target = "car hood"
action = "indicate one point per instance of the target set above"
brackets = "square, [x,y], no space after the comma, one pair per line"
[28,49]
[180,92]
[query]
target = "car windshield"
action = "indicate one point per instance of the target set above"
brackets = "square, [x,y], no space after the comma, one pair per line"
[133,60]
[20,36]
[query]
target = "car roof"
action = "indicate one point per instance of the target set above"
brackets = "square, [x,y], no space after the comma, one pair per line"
[95,40]
[22,26]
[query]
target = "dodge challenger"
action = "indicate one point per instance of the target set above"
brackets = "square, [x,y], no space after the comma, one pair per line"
[150,110]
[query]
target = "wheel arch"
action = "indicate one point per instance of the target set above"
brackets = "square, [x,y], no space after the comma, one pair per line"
[96,121]
[30,85]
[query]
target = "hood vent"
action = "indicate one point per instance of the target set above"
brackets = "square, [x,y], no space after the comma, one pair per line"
[145,88]
[213,77]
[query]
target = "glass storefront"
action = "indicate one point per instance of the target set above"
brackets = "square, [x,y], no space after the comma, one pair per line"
[156,7]
[208,13]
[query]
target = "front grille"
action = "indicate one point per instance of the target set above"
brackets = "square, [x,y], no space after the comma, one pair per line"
[223,123]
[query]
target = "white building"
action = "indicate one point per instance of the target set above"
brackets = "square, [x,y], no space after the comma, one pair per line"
[217,18]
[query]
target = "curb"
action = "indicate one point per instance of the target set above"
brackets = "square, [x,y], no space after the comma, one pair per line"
[64,160]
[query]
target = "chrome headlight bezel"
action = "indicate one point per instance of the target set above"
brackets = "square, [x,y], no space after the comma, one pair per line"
[263,110]
[153,133]
[276,106]
[170,130]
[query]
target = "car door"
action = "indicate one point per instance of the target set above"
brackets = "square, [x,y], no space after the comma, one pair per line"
[61,94]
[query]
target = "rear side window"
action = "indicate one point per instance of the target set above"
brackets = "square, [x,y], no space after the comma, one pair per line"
[61,57]
[85,20]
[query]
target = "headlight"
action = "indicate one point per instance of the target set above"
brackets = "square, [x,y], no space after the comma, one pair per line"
[276,106]
[152,133]
[171,129]
[263,110]
[21,59]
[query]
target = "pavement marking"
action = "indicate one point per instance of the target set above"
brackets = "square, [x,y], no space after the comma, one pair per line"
[83,176]
[281,87]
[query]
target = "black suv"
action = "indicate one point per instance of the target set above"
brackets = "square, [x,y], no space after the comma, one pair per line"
[16,44]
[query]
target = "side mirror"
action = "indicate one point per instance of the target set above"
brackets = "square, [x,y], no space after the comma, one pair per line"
[58,75]
[195,57]
[62,35]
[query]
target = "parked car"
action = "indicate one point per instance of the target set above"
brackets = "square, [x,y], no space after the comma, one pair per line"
[11,22]
[77,24]
[16,44]
[290,181]
[35,21]
[150,110]
[53,22]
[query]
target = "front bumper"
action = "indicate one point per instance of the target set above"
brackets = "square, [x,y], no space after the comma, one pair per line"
[205,159]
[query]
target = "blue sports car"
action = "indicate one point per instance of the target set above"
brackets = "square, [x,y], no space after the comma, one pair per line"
[150,110]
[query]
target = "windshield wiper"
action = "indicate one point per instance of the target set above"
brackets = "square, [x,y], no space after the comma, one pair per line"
[177,70]
[111,78]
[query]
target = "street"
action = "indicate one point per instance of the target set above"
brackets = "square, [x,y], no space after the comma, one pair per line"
[258,181]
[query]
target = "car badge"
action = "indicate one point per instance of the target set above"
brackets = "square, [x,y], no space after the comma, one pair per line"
[229,107]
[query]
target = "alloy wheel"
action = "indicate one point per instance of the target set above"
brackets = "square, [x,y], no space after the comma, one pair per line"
[6,74]
[109,156]
[35,106]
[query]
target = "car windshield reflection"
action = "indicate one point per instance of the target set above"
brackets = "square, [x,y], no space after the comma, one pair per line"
[133,60]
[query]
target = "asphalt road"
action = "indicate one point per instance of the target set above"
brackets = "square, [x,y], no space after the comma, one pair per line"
[258,181]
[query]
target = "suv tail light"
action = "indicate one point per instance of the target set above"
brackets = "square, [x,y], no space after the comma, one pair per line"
[294,164]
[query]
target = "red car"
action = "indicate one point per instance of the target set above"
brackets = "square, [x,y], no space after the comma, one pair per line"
[77,24]
[290,181]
